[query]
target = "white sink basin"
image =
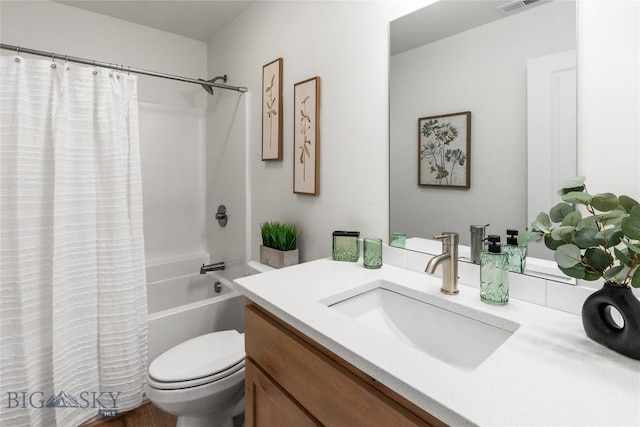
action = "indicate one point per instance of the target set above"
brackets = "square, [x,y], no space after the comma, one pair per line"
[455,334]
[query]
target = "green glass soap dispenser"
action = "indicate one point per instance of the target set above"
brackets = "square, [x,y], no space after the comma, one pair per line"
[494,273]
[517,254]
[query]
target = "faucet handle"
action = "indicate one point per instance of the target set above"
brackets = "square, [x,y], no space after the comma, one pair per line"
[448,237]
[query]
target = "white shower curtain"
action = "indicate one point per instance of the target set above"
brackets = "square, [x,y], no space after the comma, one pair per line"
[72,294]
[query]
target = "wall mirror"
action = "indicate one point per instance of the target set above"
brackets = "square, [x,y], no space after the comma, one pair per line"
[456,56]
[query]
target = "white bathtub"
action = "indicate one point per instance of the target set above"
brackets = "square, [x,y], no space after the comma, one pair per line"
[187,306]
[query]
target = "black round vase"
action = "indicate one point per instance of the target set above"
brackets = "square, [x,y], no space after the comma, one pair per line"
[601,327]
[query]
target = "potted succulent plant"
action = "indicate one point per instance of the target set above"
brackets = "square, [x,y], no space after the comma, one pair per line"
[597,237]
[279,244]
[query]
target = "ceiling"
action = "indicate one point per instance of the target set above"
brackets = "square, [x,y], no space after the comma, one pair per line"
[199,20]
[443,19]
[203,19]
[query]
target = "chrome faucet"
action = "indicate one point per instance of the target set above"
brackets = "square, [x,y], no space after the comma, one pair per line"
[212,267]
[449,260]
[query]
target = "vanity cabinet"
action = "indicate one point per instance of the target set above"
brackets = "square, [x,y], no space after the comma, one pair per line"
[292,380]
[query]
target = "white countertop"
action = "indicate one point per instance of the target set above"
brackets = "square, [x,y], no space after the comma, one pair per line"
[548,373]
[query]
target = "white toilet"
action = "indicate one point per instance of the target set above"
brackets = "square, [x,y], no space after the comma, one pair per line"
[201,381]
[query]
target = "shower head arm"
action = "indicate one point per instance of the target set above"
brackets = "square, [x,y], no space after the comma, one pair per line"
[208,85]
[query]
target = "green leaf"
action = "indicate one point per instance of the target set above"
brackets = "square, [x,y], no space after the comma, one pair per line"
[278,235]
[635,212]
[573,184]
[577,271]
[572,219]
[627,203]
[631,227]
[567,255]
[563,233]
[611,218]
[576,181]
[559,211]
[635,281]
[622,256]
[632,247]
[598,259]
[527,237]
[542,223]
[591,276]
[610,237]
[585,238]
[552,244]
[605,202]
[623,275]
[268,89]
[613,272]
[588,222]
[307,152]
[578,197]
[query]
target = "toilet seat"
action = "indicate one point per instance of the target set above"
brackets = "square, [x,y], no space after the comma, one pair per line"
[198,361]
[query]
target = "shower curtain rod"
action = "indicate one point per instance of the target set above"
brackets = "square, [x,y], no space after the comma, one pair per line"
[206,84]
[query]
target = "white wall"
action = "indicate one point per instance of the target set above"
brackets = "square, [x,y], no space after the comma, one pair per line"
[346,44]
[172,114]
[482,70]
[609,95]
[226,171]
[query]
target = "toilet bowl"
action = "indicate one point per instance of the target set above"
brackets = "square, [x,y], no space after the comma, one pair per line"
[201,380]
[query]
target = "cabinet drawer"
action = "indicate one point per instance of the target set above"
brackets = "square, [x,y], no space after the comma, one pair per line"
[325,385]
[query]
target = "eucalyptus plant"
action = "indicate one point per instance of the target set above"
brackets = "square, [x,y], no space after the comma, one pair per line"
[593,236]
[276,235]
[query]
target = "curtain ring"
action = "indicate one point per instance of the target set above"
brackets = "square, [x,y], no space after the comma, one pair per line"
[53,60]
[18,53]
[95,72]
[129,72]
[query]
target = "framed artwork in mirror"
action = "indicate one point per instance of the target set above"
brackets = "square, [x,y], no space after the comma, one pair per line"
[444,151]
[272,110]
[306,136]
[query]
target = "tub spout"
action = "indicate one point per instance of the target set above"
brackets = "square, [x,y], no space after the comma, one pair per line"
[212,267]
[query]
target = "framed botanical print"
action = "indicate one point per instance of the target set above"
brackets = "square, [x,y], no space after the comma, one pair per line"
[444,151]
[272,110]
[306,136]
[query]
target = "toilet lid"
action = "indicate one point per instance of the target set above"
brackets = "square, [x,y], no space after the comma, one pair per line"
[199,357]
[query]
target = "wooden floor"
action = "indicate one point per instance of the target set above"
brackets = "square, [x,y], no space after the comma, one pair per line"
[145,416]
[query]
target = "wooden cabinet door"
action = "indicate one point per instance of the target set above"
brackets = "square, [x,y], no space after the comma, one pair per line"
[326,388]
[267,405]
